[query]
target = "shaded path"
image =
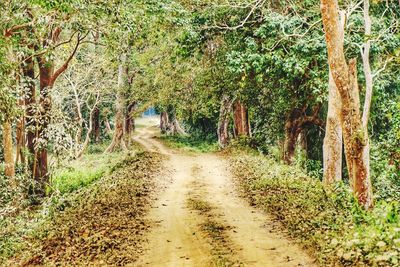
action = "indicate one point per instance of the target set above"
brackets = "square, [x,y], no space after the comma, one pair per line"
[176,239]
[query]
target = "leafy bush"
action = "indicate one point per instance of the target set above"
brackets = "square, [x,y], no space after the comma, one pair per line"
[326,219]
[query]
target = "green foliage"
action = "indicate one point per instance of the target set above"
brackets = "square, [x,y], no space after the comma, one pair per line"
[327,220]
[84,171]
[191,143]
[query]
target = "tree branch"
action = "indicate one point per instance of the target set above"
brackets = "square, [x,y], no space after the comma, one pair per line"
[66,63]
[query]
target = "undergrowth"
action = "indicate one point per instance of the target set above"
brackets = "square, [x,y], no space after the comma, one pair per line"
[328,221]
[83,171]
[80,225]
[190,143]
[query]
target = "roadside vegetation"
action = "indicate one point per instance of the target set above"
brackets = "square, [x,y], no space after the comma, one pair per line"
[325,219]
[82,215]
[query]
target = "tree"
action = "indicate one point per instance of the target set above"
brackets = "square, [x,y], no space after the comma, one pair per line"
[118,140]
[345,77]
[333,141]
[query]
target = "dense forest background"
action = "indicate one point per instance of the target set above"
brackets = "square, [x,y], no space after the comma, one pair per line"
[310,84]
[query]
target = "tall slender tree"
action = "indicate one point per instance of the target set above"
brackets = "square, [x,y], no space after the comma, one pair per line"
[345,76]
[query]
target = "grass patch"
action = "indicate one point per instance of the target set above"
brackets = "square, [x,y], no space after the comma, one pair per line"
[216,232]
[327,220]
[85,170]
[199,205]
[190,143]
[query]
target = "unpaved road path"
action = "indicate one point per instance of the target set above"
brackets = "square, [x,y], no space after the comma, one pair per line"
[177,239]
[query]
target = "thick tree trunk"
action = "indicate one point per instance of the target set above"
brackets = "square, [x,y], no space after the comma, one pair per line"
[118,138]
[164,122]
[46,71]
[292,132]
[223,122]
[241,119]
[9,170]
[175,127]
[332,149]
[31,115]
[96,125]
[345,77]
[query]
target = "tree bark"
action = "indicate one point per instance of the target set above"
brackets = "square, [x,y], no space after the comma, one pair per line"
[333,144]
[129,122]
[118,140]
[9,170]
[293,128]
[241,119]
[223,122]
[295,124]
[46,72]
[96,125]
[345,77]
[31,114]
[175,127]
[20,139]
[164,122]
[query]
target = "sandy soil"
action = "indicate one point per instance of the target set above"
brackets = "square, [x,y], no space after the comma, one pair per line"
[176,240]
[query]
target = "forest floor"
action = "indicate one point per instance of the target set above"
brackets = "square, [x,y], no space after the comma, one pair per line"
[200,220]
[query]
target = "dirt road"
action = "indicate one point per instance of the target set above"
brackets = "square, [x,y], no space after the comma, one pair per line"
[182,235]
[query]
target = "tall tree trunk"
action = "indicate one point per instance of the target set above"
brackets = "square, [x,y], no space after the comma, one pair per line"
[118,140]
[223,122]
[31,116]
[333,141]
[46,71]
[292,131]
[96,125]
[333,144]
[241,119]
[365,54]
[345,77]
[8,149]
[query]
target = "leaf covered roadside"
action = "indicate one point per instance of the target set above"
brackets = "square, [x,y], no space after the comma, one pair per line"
[328,221]
[101,224]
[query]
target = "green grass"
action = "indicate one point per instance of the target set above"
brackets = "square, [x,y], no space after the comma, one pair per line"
[190,143]
[85,170]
